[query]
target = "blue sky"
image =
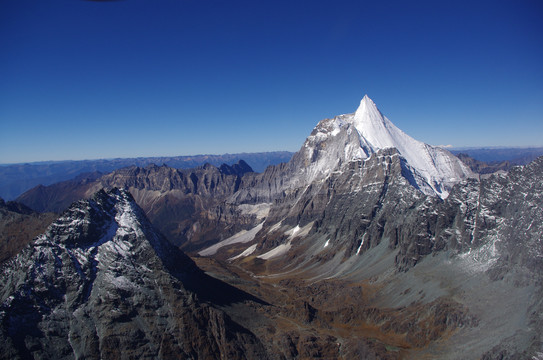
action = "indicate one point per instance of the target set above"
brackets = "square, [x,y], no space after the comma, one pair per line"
[86,80]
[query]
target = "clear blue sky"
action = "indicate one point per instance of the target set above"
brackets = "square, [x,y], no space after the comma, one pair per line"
[85,80]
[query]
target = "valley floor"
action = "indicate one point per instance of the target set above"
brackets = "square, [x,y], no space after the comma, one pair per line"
[337,318]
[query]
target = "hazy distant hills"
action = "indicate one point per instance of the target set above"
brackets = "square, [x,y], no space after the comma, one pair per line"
[17,178]
[516,156]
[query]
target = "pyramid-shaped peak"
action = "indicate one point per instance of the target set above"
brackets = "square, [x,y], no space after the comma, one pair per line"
[366,99]
[367,109]
[368,114]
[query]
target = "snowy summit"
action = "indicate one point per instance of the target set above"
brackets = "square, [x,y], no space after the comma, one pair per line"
[357,136]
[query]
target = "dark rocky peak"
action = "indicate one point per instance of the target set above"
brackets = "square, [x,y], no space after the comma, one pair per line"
[15,207]
[85,223]
[240,168]
[108,216]
[208,166]
[102,283]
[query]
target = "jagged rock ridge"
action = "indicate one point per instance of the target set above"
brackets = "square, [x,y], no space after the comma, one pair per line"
[481,244]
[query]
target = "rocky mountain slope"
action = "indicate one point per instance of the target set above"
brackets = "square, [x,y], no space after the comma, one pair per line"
[365,222]
[469,265]
[102,283]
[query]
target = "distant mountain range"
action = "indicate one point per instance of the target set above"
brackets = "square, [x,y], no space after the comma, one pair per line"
[17,178]
[515,155]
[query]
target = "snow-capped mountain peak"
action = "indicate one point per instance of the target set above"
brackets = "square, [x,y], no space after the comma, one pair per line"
[377,131]
[367,111]
[348,137]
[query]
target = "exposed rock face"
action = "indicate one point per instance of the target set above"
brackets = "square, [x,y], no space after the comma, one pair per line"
[18,226]
[102,283]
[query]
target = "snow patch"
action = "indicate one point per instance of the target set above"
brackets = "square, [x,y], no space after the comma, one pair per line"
[251,249]
[127,220]
[121,282]
[296,231]
[277,251]
[481,259]
[243,236]
[275,227]
[361,243]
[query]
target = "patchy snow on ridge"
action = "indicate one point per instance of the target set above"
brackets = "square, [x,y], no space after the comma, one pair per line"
[481,259]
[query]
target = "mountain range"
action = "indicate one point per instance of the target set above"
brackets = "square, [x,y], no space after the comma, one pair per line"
[366,244]
[18,178]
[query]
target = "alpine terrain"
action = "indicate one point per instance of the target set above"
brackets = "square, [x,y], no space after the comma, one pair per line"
[366,244]
[102,283]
